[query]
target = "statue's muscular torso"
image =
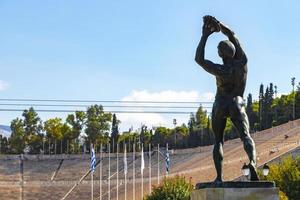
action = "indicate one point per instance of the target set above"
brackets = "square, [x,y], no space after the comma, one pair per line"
[232,82]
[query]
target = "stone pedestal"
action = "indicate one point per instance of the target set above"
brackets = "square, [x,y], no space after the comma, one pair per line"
[236,191]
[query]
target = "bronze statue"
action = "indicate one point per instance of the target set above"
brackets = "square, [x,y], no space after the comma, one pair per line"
[231,81]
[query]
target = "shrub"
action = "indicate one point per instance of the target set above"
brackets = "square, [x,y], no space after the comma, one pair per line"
[286,176]
[176,188]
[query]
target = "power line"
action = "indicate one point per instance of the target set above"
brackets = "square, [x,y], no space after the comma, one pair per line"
[107,101]
[112,111]
[106,106]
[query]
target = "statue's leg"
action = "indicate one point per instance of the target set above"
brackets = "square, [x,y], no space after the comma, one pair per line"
[218,126]
[240,120]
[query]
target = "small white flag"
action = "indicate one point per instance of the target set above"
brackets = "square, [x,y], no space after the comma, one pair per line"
[125,162]
[142,161]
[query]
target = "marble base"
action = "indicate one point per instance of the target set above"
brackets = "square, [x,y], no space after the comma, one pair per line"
[242,191]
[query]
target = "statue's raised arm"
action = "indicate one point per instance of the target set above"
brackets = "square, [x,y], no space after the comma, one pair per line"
[239,53]
[210,25]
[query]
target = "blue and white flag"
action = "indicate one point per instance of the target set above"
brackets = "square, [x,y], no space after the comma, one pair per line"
[93,159]
[167,159]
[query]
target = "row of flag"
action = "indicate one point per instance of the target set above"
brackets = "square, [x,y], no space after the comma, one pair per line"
[93,161]
[93,165]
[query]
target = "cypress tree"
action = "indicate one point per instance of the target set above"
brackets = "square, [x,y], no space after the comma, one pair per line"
[261,100]
[114,132]
[249,111]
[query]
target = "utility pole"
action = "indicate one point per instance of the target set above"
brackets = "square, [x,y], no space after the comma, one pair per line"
[22,175]
[261,97]
[0,143]
[276,117]
[293,84]
[175,122]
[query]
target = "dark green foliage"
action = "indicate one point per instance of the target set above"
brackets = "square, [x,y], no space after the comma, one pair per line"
[161,136]
[129,138]
[26,133]
[97,125]
[201,118]
[58,133]
[4,145]
[249,111]
[176,188]
[17,142]
[192,122]
[145,136]
[76,122]
[114,132]
[286,175]
[33,130]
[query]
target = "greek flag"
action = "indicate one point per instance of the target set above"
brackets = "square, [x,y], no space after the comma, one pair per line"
[167,159]
[93,160]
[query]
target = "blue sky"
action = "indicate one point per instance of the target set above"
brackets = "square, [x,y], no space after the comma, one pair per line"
[107,50]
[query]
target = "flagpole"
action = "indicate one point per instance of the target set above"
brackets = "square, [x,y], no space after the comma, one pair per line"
[125,169]
[158,164]
[167,160]
[142,170]
[133,188]
[109,171]
[92,185]
[117,171]
[150,168]
[100,179]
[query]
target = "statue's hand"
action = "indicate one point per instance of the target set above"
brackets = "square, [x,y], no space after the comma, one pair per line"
[207,30]
[211,24]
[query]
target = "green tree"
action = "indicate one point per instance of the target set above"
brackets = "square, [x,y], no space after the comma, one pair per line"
[193,139]
[54,130]
[297,102]
[201,118]
[284,108]
[182,136]
[97,125]
[267,112]
[161,135]
[4,145]
[129,138]
[33,130]
[17,142]
[67,136]
[114,132]
[250,113]
[76,122]
[192,122]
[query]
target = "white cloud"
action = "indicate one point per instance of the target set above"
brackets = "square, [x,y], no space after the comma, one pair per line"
[3,85]
[158,119]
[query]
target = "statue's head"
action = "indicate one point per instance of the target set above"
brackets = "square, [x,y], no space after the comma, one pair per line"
[226,49]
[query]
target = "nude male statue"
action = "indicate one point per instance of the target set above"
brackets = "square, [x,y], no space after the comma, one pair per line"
[231,81]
